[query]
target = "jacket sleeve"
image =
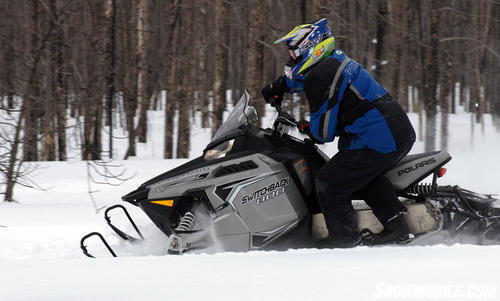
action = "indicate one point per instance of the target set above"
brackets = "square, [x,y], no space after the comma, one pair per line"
[295,86]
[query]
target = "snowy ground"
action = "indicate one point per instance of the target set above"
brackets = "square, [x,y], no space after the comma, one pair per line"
[40,257]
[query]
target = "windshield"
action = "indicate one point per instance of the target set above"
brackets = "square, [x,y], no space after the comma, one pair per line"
[241,114]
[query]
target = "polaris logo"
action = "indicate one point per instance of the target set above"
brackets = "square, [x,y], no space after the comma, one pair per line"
[266,193]
[416,166]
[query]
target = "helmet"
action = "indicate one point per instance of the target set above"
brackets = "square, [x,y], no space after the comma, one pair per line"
[308,44]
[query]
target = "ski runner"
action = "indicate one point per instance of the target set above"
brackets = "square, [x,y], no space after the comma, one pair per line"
[374,132]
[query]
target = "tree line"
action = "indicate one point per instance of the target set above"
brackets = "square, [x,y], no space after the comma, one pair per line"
[67,60]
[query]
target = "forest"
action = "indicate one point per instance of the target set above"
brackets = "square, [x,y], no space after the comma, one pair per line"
[106,63]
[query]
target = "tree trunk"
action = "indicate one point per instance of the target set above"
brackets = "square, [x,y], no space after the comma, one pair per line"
[53,99]
[396,53]
[49,130]
[482,26]
[185,87]
[203,87]
[184,124]
[130,84]
[258,19]
[445,96]
[95,87]
[30,141]
[432,68]
[61,97]
[10,61]
[380,34]
[142,95]
[130,107]
[321,9]
[220,62]
[171,52]
[169,126]
[11,177]
[110,78]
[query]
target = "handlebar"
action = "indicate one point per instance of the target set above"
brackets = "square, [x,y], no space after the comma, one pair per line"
[282,113]
[285,116]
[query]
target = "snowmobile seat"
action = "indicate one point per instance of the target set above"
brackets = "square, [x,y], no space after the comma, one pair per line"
[410,158]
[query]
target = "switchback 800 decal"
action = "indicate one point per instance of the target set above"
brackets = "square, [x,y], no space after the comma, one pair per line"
[267,192]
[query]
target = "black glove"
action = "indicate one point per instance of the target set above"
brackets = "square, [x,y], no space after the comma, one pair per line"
[273,93]
[303,126]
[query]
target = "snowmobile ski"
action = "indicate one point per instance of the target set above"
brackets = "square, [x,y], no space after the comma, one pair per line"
[84,247]
[120,233]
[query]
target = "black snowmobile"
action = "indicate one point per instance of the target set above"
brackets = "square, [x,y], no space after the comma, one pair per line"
[253,189]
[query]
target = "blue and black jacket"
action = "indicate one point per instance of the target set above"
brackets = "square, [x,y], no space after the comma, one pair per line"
[346,101]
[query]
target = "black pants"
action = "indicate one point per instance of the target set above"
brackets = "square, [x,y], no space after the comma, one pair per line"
[357,173]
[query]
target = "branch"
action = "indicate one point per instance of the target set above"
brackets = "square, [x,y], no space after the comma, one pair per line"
[451,39]
[273,49]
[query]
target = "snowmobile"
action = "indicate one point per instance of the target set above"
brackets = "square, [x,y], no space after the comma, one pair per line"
[253,189]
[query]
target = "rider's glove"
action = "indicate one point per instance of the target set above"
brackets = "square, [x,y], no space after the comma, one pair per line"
[273,93]
[303,126]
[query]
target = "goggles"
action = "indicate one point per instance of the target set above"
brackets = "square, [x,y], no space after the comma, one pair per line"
[305,46]
[295,53]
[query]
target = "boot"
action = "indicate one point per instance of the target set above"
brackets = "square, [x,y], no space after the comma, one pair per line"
[395,231]
[342,230]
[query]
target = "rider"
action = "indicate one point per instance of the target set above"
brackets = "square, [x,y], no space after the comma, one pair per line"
[375,132]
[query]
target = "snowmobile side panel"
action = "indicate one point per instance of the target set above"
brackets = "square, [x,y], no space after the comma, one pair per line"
[258,189]
[232,232]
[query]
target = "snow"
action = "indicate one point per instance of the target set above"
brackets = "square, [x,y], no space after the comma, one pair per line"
[294,275]
[40,257]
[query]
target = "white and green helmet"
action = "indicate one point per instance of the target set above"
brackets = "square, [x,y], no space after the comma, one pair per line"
[308,44]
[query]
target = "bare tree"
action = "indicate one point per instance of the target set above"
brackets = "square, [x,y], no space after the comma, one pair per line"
[129,84]
[382,12]
[142,95]
[201,27]
[12,164]
[430,71]
[173,35]
[110,78]
[257,30]
[220,62]
[185,89]
[10,59]
[30,143]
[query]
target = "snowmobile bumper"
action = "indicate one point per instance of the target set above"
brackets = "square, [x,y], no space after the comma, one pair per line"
[136,196]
